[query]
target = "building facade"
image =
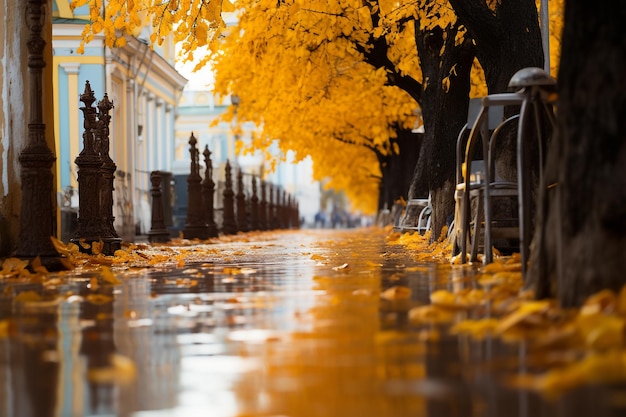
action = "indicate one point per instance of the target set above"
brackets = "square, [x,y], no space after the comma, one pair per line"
[145,88]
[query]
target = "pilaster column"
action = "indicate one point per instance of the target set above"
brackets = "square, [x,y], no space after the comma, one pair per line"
[72,69]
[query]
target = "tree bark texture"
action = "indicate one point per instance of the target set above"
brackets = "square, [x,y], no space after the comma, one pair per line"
[507,40]
[580,245]
[444,114]
[397,168]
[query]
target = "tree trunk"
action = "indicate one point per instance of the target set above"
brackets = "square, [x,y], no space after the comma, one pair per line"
[506,41]
[580,245]
[397,168]
[444,113]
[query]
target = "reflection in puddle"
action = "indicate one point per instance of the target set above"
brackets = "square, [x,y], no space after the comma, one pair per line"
[297,329]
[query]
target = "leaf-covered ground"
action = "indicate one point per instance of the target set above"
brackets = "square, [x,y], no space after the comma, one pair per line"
[361,321]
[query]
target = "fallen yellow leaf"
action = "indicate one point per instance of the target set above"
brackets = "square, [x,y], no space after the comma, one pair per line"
[108,275]
[603,301]
[396,292]
[526,309]
[4,328]
[372,265]
[601,331]
[98,299]
[28,296]
[478,329]
[340,267]
[430,314]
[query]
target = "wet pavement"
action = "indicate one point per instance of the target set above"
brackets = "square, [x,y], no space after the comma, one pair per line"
[296,323]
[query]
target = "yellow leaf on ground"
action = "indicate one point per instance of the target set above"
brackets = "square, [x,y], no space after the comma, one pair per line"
[478,329]
[13,264]
[609,367]
[430,314]
[4,328]
[526,309]
[443,298]
[98,299]
[396,292]
[601,331]
[603,301]
[96,247]
[27,296]
[108,276]
[340,267]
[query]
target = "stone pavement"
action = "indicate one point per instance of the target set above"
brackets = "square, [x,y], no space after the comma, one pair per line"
[295,323]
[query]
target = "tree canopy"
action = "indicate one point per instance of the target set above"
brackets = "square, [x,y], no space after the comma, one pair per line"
[300,76]
[335,80]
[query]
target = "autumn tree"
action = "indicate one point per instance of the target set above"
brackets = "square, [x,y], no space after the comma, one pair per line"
[316,73]
[446,56]
[298,70]
[192,23]
[312,78]
[507,39]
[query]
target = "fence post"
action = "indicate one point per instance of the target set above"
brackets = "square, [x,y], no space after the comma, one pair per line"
[195,227]
[242,216]
[110,238]
[36,159]
[254,207]
[158,232]
[89,162]
[229,225]
[263,208]
[208,190]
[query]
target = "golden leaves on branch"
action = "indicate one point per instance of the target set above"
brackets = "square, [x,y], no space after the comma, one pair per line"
[193,23]
[302,80]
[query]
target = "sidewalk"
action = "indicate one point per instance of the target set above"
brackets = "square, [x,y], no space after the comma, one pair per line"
[297,323]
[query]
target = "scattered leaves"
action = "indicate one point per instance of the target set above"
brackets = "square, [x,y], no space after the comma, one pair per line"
[396,292]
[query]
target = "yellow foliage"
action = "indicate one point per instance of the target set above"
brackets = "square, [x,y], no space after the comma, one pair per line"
[191,23]
[298,69]
[302,80]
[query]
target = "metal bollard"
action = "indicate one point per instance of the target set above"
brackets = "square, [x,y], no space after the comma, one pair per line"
[110,238]
[89,163]
[263,208]
[208,190]
[195,227]
[242,215]
[254,207]
[36,159]
[229,225]
[158,232]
